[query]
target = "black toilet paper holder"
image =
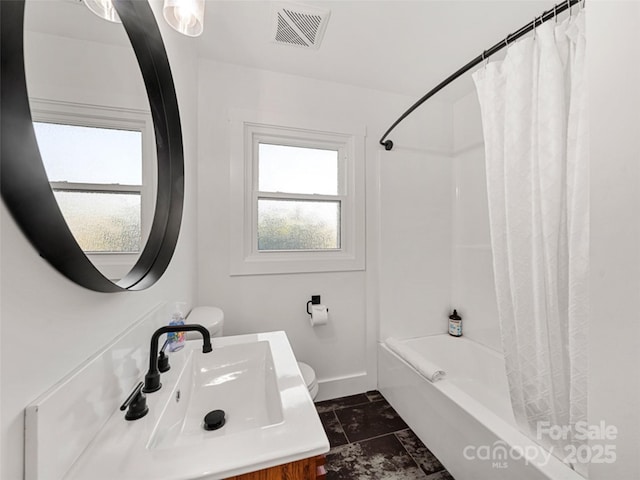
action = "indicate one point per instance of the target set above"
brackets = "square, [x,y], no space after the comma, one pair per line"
[315,300]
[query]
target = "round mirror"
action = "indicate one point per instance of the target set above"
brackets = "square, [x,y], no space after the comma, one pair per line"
[94,129]
[92,162]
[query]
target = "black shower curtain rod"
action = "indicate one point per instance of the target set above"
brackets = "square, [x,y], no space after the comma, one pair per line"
[548,15]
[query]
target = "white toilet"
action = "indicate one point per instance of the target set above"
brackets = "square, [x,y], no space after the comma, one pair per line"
[212,318]
[309,376]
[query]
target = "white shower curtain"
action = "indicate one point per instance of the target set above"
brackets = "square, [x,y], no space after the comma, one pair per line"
[533,114]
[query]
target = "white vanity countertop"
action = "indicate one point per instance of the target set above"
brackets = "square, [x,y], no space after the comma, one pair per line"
[122,450]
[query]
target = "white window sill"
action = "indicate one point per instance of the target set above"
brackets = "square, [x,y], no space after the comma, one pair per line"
[264,263]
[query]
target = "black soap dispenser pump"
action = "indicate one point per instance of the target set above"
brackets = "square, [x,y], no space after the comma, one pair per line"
[455,324]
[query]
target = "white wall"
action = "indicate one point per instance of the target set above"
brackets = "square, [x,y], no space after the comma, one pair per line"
[613,29]
[435,244]
[343,352]
[415,241]
[416,223]
[473,284]
[49,325]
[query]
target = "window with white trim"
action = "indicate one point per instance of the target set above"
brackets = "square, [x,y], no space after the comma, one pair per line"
[99,165]
[300,192]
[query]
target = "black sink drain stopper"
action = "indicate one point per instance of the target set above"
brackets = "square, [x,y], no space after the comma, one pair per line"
[214,420]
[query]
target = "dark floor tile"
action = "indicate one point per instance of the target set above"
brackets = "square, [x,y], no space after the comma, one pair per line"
[381,458]
[443,475]
[420,453]
[374,395]
[342,402]
[333,429]
[369,420]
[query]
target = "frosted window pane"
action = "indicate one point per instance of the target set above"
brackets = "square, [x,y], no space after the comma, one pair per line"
[298,225]
[102,222]
[90,155]
[297,170]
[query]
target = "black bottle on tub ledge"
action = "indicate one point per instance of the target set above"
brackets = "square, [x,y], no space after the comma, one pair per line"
[455,324]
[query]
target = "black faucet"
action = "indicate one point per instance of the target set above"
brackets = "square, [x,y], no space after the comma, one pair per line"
[163,359]
[152,378]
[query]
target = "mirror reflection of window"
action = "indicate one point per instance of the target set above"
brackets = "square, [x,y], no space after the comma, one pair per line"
[96,175]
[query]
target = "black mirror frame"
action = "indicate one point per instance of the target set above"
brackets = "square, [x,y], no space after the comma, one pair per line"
[23,181]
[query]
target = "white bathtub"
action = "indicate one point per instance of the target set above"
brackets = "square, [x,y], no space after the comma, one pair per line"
[465,419]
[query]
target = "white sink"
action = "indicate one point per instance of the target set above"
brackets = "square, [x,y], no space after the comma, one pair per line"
[238,379]
[270,417]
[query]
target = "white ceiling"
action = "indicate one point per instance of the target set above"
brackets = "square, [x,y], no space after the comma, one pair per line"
[398,46]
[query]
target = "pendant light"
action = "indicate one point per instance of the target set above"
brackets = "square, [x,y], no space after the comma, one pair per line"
[103,9]
[185,16]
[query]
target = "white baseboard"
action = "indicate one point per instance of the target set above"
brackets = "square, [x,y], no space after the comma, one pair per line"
[347,385]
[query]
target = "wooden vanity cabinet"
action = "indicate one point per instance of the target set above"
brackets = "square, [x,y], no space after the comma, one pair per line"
[307,469]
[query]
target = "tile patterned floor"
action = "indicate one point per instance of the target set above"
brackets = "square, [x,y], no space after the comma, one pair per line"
[369,441]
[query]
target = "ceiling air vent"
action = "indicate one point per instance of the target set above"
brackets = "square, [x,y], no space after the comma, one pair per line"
[299,25]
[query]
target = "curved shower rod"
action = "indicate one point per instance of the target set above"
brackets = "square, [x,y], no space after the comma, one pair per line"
[548,15]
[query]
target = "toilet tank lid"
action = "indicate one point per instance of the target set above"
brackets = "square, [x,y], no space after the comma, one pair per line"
[211,318]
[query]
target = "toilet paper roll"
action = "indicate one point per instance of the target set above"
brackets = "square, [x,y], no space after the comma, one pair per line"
[319,314]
